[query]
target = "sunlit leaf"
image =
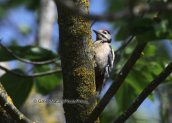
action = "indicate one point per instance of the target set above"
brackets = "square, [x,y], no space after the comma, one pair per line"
[149,51]
[138,80]
[27,52]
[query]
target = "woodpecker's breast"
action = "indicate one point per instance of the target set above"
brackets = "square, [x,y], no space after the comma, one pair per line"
[101,52]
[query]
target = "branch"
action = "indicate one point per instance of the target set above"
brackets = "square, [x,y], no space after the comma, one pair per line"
[125,13]
[6,104]
[29,76]
[116,84]
[25,61]
[151,86]
[70,7]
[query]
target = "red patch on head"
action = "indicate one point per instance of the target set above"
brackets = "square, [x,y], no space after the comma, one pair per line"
[105,30]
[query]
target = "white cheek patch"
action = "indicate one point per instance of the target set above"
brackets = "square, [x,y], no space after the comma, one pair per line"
[106,37]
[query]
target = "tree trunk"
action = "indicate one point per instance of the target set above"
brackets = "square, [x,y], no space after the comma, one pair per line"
[77,62]
[47,18]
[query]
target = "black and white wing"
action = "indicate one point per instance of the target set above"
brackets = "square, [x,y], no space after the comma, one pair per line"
[111,57]
[109,65]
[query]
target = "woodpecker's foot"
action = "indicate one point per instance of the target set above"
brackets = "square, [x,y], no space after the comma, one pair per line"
[97,95]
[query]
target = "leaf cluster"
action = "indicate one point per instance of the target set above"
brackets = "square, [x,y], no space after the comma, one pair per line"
[18,88]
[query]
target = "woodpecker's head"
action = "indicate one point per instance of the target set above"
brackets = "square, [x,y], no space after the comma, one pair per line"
[103,35]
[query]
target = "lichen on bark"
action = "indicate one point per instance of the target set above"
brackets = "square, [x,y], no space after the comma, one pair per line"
[77,62]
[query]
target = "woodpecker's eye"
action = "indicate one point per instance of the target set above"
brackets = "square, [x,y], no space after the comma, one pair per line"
[103,36]
[104,32]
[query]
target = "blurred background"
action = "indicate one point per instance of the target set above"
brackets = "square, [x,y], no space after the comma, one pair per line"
[29,28]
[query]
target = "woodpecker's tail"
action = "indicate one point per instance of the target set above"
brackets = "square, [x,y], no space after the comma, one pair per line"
[99,77]
[101,80]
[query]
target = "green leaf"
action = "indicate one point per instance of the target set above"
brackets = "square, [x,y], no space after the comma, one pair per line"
[46,84]
[27,52]
[124,97]
[115,5]
[144,22]
[146,71]
[149,51]
[109,114]
[17,88]
[139,80]
[24,29]
[136,80]
[146,36]
[121,35]
[147,30]
[164,35]
[154,67]
[2,13]
[156,70]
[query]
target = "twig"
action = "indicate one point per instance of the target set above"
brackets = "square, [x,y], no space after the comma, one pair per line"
[93,23]
[116,84]
[10,108]
[125,13]
[123,46]
[151,86]
[29,76]
[25,61]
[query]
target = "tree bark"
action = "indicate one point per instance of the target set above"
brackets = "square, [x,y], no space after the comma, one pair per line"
[4,116]
[77,62]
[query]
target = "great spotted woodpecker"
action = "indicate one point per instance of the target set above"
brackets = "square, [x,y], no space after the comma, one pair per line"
[104,57]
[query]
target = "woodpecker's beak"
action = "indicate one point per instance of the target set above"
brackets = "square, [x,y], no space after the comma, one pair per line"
[96,32]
